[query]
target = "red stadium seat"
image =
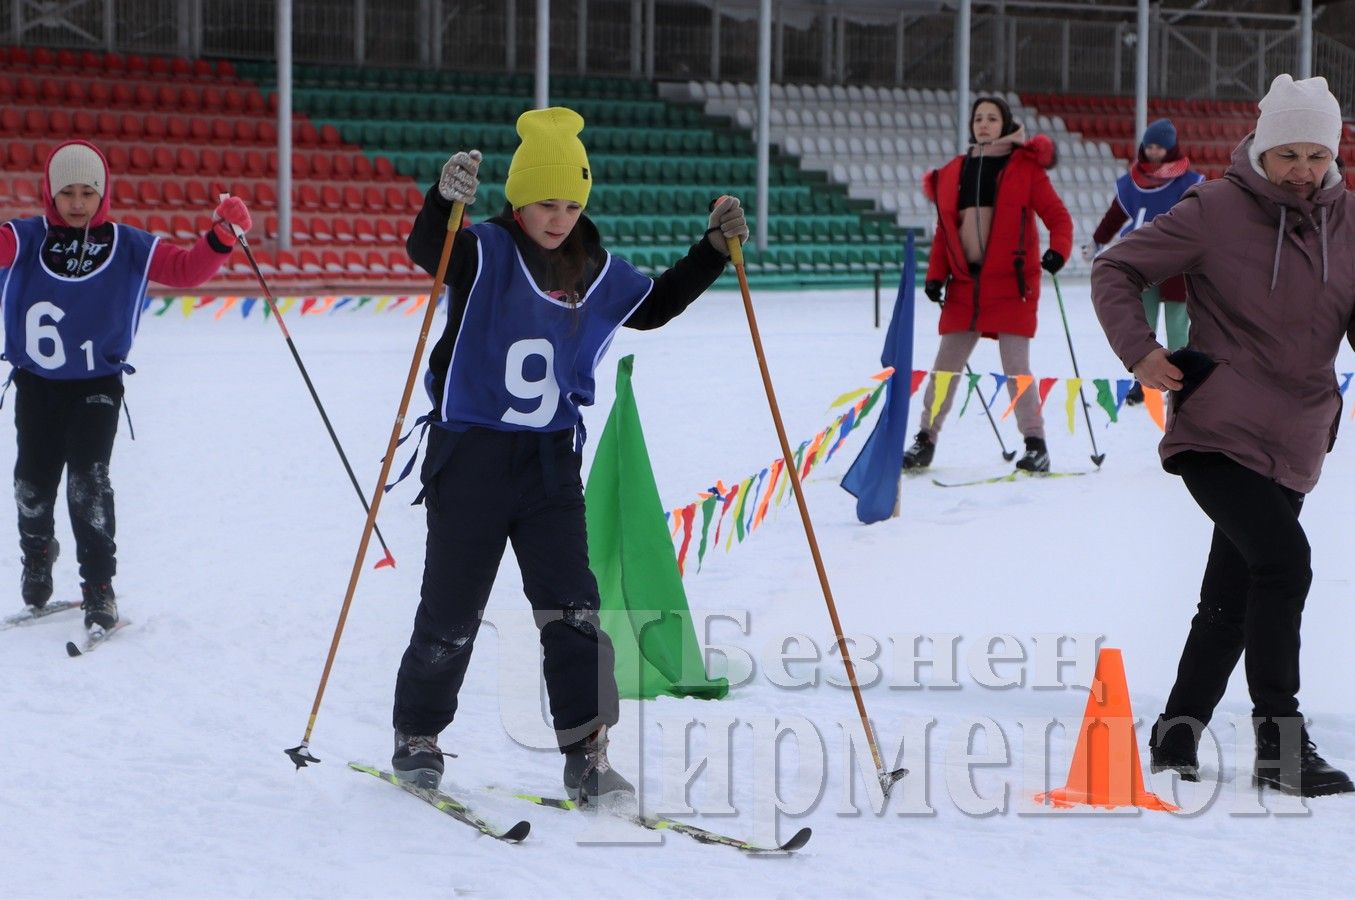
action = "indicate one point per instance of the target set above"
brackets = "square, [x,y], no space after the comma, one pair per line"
[123,96]
[124,194]
[164,160]
[332,262]
[268,133]
[210,162]
[363,170]
[158,66]
[373,200]
[186,162]
[202,69]
[353,262]
[364,230]
[255,164]
[304,134]
[53,92]
[76,93]
[35,123]
[190,98]
[385,231]
[139,161]
[352,198]
[395,199]
[254,103]
[301,166]
[179,129]
[196,196]
[26,191]
[213,99]
[375,263]
[225,69]
[132,126]
[199,130]
[59,124]
[107,127]
[11,121]
[321,230]
[308,197]
[245,131]
[153,129]
[329,136]
[232,163]
[43,58]
[233,100]
[330,198]
[181,67]
[91,61]
[146,98]
[66,59]
[114,63]
[266,196]
[118,160]
[172,195]
[182,227]
[148,193]
[223,132]
[343,229]
[157,224]
[385,169]
[341,167]
[27,90]
[320,166]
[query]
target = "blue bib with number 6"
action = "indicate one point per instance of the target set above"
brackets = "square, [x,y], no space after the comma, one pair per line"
[66,328]
[523,360]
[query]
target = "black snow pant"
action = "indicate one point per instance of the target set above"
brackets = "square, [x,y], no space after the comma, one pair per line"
[67,425]
[1252,596]
[484,488]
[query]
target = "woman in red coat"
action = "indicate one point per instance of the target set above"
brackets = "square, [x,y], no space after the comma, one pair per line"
[985,263]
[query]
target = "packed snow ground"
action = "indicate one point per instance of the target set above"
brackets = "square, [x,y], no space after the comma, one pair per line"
[154,768]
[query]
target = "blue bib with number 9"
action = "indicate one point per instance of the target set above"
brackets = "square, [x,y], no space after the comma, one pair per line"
[70,328]
[523,360]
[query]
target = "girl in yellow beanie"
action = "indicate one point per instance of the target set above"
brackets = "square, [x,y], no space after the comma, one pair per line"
[535,301]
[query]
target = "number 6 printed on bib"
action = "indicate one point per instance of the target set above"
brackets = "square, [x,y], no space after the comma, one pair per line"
[546,389]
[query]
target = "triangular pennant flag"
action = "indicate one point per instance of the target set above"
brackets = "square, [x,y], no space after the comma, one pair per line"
[1122,388]
[1152,401]
[187,304]
[974,379]
[686,514]
[1046,385]
[737,529]
[1001,380]
[1104,400]
[777,466]
[1023,383]
[919,375]
[644,609]
[724,508]
[168,301]
[940,390]
[707,514]
[1074,391]
[1345,382]
[247,306]
[226,305]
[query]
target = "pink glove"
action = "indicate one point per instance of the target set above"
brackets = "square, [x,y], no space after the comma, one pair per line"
[231,212]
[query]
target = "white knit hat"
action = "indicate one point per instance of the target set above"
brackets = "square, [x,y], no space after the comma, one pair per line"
[76,164]
[1297,112]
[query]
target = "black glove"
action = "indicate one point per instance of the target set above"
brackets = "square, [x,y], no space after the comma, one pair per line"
[933,291]
[1051,262]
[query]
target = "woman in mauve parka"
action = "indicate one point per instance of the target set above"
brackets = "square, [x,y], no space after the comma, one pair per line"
[985,263]
[1270,278]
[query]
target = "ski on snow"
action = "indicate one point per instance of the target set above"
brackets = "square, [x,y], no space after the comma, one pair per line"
[1017,475]
[702,835]
[94,642]
[451,806]
[30,615]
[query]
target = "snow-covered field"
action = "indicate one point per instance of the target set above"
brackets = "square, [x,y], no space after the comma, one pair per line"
[154,768]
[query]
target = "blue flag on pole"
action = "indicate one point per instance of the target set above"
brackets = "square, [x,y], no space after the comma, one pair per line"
[874,477]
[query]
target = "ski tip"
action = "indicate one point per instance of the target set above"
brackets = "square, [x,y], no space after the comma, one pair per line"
[517,833]
[72,650]
[798,840]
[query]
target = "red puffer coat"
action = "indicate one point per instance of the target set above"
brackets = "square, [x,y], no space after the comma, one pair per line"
[1009,283]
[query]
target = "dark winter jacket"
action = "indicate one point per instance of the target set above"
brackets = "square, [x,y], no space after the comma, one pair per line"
[673,292]
[1008,285]
[1271,292]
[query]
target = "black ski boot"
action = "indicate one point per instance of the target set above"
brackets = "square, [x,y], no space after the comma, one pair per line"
[1175,749]
[589,777]
[919,456]
[1295,767]
[1135,395]
[35,584]
[1036,457]
[100,606]
[417,760]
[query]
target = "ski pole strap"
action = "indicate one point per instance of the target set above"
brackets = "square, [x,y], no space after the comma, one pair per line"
[420,425]
[127,413]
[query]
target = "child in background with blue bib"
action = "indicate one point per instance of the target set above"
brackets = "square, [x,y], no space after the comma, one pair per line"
[1155,181]
[534,302]
[74,283]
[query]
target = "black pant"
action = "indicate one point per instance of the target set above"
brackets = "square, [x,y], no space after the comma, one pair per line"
[483,489]
[1252,596]
[67,425]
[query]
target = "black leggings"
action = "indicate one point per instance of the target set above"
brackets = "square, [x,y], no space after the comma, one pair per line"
[1252,595]
[67,425]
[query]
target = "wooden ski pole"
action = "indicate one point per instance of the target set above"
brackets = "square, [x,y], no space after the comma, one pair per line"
[301,754]
[886,778]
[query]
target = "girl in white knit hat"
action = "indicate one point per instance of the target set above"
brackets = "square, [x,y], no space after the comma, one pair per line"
[74,283]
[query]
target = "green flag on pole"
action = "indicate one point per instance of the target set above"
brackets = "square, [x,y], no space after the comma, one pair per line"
[644,608]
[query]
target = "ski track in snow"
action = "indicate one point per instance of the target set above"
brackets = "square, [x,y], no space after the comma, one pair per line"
[155,767]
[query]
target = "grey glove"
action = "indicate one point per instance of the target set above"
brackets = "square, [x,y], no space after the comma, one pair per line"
[726,221]
[459,179]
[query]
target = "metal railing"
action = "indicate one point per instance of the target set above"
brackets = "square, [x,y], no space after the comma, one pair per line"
[701,39]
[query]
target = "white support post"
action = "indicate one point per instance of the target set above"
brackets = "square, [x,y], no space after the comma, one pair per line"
[284,54]
[764,113]
[1306,39]
[542,54]
[1141,72]
[963,21]
[581,39]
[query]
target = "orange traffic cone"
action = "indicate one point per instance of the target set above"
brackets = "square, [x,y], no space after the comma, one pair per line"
[1106,770]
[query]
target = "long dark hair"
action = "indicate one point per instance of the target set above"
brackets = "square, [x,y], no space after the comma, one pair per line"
[570,265]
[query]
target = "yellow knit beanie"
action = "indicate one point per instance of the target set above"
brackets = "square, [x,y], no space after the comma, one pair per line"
[550,163]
